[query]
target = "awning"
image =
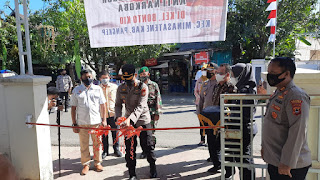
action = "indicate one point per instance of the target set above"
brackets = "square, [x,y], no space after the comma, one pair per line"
[178,53]
[163,65]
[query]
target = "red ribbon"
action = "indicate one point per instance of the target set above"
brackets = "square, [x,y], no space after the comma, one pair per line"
[98,140]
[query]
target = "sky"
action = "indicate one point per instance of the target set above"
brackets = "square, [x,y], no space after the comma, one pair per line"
[34,5]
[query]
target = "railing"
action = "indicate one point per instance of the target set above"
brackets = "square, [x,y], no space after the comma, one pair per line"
[233,137]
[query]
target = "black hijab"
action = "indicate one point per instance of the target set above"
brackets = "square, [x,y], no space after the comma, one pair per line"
[245,77]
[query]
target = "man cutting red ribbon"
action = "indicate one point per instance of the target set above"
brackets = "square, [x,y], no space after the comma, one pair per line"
[134,95]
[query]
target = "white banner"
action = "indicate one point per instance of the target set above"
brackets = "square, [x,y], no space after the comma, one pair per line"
[141,22]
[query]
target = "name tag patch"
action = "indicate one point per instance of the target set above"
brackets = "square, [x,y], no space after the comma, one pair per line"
[275,107]
[274,115]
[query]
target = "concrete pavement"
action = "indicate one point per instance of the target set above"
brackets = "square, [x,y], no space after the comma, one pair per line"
[172,163]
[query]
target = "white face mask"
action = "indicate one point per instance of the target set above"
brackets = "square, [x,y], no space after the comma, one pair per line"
[220,78]
[204,73]
[105,81]
[233,81]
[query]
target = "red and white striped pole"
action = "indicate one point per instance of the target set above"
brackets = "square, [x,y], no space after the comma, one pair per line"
[272,22]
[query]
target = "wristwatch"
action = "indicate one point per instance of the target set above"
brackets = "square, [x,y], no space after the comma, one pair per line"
[75,124]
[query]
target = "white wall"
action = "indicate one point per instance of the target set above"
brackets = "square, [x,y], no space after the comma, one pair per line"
[303,51]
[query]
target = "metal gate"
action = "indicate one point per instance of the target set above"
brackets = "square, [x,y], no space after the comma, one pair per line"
[232,153]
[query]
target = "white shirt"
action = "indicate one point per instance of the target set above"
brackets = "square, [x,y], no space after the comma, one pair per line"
[88,103]
[198,75]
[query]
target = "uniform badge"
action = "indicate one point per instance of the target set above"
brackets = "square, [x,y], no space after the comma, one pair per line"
[274,115]
[283,88]
[275,107]
[296,107]
[143,92]
[285,93]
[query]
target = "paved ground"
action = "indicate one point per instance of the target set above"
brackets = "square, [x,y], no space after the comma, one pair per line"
[179,157]
[172,163]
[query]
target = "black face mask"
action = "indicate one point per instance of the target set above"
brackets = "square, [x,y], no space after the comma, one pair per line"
[129,82]
[145,78]
[210,75]
[87,81]
[273,79]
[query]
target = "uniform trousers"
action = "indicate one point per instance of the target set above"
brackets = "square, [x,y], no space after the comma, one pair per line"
[146,145]
[64,96]
[214,147]
[297,174]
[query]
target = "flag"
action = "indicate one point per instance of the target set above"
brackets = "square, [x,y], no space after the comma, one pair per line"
[272,6]
[272,22]
[273,14]
[272,38]
[273,30]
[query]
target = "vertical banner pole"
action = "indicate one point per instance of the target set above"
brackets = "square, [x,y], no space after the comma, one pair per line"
[275,33]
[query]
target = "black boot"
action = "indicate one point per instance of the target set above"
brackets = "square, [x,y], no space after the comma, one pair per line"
[153,171]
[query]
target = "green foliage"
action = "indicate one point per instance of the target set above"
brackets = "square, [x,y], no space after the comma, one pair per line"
[247,35]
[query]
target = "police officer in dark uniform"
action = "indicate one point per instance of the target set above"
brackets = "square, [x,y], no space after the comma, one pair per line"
[134,95]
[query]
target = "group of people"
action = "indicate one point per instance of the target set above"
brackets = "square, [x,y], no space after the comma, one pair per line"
[217,80]
[96,105]
[284,141]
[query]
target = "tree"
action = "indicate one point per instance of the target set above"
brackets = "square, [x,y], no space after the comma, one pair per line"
[247,35]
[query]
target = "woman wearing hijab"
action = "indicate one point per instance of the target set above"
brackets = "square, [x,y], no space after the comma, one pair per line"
[242,78]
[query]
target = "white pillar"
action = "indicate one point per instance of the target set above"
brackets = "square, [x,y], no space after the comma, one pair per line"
[28,148]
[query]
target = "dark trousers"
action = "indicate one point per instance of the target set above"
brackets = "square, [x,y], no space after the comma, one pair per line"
[146,145]
[246,151]
[297,174]
[154,140]
[214,146]
[105,142]
[202,137]
[64,96]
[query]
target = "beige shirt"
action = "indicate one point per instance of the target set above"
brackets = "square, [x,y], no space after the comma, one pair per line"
[135,99]
[206,94]
[284,130]
[110,93]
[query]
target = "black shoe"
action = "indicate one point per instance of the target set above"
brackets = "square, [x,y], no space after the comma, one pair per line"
[214,170]
[153,171]
[209,159]
[143,155]
[133,178]
[117,153]
[104,155]
[202,143]
[229,173]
